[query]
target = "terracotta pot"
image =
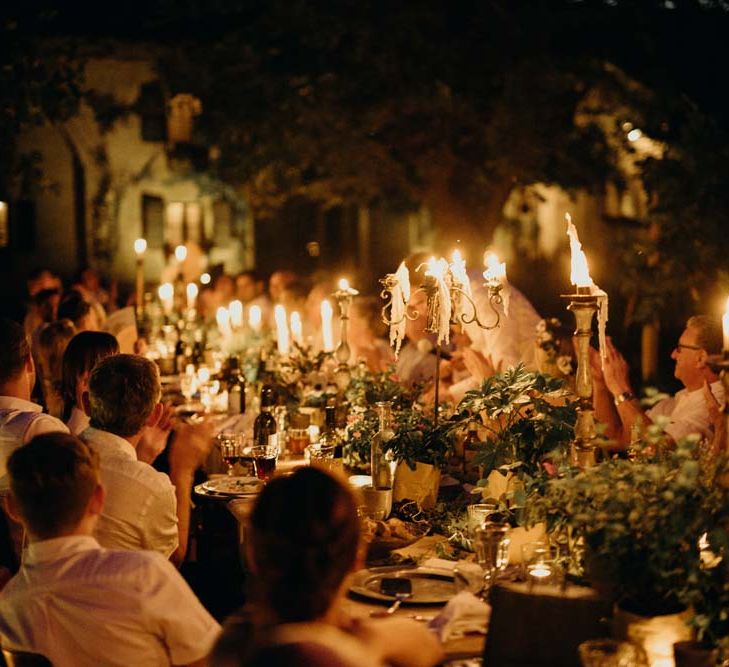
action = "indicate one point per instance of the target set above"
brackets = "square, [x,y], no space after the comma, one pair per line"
[694,654]
[656,634]
[420,485]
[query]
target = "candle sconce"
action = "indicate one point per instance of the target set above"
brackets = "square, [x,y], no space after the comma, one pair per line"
[584,305]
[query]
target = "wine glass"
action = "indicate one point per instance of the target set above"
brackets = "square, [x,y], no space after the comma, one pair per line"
[492,551]
[230,445]
[188,386]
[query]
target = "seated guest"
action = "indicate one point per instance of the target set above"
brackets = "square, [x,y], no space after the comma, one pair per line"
[617,405]
[84,316]
[42,309]
[278,282]
[367,334]
[75,602]
[145,509]
[20,419]
[85,350]
[303,542]
[52,341]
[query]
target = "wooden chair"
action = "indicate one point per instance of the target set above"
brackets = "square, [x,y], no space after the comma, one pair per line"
[24,659]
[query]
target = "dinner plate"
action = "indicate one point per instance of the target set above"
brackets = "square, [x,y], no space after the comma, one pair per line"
[233,486]
[430,586]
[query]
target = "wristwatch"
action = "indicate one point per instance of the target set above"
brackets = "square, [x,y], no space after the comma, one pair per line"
[625,396]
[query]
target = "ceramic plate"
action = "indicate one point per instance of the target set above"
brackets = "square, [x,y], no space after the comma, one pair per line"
[233,486]
[429,585]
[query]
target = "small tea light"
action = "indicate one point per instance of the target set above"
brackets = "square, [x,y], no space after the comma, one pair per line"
[540,571]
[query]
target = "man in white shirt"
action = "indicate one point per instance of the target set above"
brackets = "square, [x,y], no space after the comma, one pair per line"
[76,603]
[145,509]
[20,419]
[617,405]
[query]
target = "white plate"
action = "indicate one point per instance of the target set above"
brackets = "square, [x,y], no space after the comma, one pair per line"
[233,486]
[429,585]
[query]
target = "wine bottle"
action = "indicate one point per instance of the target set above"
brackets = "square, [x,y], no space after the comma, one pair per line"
[265,424]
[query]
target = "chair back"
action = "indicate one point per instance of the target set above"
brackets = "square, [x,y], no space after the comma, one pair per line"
[25,659]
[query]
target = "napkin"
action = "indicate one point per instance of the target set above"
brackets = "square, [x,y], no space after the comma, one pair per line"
[464,614]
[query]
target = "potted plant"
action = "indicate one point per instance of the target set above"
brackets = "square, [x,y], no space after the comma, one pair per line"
[528,420]
[640,523]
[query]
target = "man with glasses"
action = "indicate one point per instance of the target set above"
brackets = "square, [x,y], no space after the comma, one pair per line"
[617,405]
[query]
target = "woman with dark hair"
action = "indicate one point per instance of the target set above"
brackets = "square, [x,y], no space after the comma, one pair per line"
[303,542]
[51,345]
[85,350]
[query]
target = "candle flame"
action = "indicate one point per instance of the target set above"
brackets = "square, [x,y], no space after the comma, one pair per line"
[456,256]
[192,291]
[436,268]
[205,279]
[181,253]
[579,271]
[166,291]
[343,284]
[140,246]
[495,270]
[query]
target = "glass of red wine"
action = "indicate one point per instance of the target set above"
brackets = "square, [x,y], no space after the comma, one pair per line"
[230,445]
[264,461]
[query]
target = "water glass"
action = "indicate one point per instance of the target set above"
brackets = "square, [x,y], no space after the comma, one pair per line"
[491,542]
[264,461]
[476,515]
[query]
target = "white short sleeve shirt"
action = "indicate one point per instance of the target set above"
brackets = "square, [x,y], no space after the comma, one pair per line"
[140,509]
[84,606]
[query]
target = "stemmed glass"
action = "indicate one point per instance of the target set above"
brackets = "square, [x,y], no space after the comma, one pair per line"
[231,448]
[492,551]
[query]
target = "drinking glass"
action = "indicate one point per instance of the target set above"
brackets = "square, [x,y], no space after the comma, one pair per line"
[264,461]
[492,551]
[230,445]
[477,514]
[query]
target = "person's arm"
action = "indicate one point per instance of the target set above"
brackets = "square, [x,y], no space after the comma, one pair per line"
[400,642]
[189,449]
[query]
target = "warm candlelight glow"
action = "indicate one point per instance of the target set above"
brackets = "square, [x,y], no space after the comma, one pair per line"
[140,247]
[326,326]
[166,295]
[540,570]
[205,279]
[458,268]
[296,328]
[343,284]
[192,292]
[180,253]
[222,317]
[495,270]
[579,271]
[255,317]
[725,325]
[235,308]
[203,374]
[282,330]
[436,268]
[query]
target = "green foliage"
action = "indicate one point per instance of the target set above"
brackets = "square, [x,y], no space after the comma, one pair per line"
[641,523]
[529,420]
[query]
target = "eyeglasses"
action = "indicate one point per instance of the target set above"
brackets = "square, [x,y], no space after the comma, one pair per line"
[683,346]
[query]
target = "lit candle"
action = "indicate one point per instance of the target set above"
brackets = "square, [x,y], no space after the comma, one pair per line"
[180,253]
[540,570]
[166,295]
[140,246]
[400,296]
[579,271]
[282,330]
[296,328]
[344,287]
[495,270]
[326,326]
[725,325]
[203,374]
[235,308]
[205,279]
[437,270]
[192,292]
[222,317]
[458,269]
[255,318]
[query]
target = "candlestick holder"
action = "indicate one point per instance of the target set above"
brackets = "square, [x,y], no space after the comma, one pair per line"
[584,306]
[719,363]
[344,297]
